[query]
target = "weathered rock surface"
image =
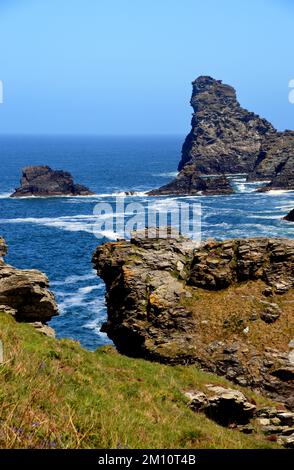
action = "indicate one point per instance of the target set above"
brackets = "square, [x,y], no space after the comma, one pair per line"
[276,162]
[232,408]
[227,139]
[290,216]
[217,265]
[171,301]
[44,329]
[277,424]
[226,406]
[43,181]
[24,293]
[189,182]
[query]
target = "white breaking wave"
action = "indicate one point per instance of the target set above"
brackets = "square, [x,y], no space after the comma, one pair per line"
[69,300]
[266,217]
[75,223]
[87,198]
[88,289]
[168,174]
[244,186]
[95,326]
[75,279]
[275,192]
[5,195]
[286,207]
[109,234]
[63,223]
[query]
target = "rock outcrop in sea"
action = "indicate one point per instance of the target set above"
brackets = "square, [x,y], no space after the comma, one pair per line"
[188,182]
[43,181]
[227,139]
[225,306]
[290,216]
[25,294]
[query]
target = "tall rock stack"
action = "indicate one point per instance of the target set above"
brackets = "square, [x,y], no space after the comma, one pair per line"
[227,139]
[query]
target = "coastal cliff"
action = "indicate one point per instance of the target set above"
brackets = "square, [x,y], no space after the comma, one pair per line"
[225,138]
[209,411]
[25,294]
[225,306]
[42,181]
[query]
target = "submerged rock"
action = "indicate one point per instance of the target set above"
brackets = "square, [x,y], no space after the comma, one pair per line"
[25,293]
[43,181]
[173,301]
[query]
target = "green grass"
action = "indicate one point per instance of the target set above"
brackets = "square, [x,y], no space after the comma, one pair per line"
[56,394]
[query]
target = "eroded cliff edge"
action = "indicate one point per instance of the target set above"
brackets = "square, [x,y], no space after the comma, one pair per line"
[226,138]
[226,306]
[25,294]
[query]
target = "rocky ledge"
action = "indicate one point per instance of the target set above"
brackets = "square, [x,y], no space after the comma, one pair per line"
[229,407]
[225,306]
[290,216]
[189,183]
[42,181]
[25,294]
[228,139]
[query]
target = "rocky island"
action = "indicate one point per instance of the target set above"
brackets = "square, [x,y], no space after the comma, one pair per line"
[42,181]
[224,306]
[227,139]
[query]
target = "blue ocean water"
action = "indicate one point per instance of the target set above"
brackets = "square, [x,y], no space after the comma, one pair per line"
[55,235]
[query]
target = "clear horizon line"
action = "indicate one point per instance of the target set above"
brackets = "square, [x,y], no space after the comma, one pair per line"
[69,134]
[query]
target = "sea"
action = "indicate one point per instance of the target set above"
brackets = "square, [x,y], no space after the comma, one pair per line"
[57,234]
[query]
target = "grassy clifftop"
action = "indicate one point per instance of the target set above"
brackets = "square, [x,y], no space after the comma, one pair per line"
[56,394]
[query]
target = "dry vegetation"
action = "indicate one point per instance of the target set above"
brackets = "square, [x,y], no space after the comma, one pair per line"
[224,314]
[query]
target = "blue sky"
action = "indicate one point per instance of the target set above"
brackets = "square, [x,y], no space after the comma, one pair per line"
[126,66]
